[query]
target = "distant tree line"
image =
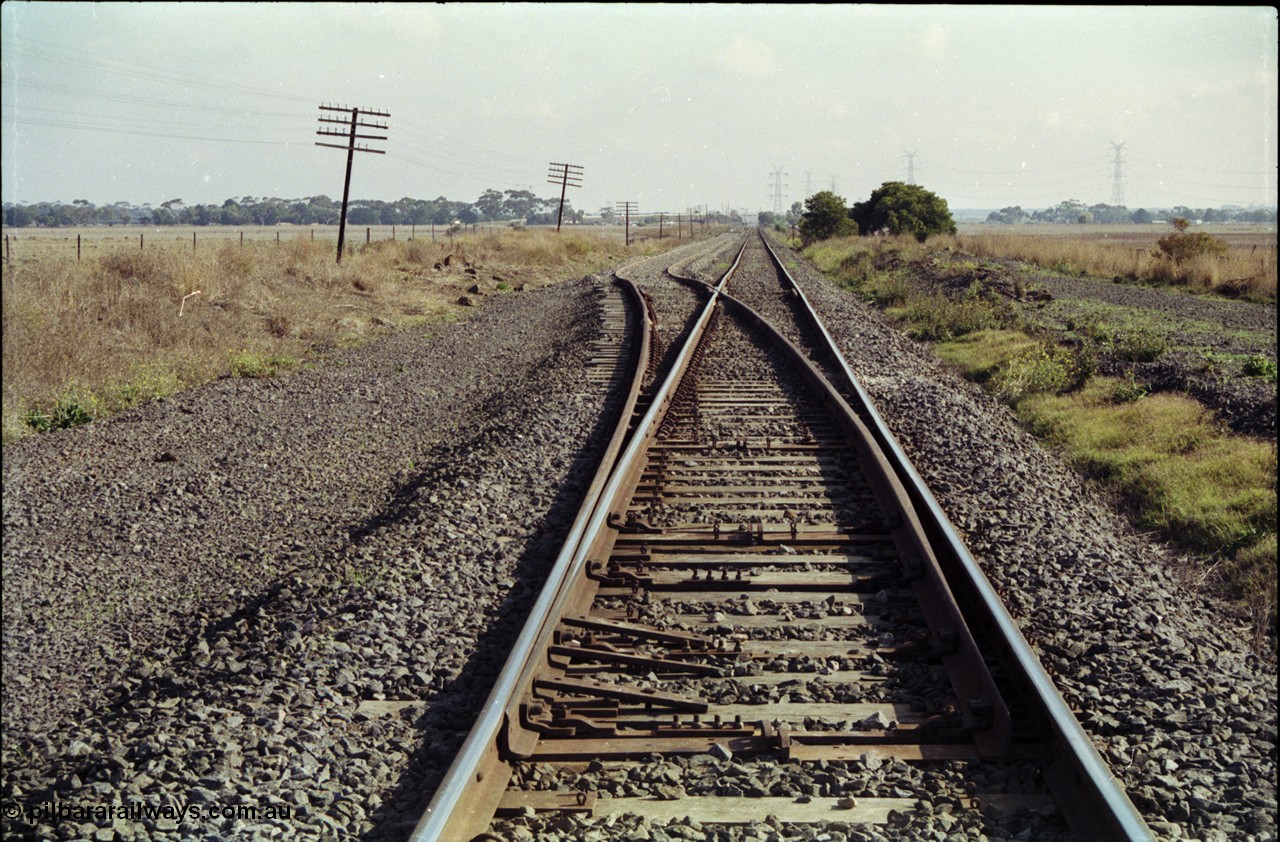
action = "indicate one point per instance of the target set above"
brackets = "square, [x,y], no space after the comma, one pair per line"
[1072,212]
[493,205]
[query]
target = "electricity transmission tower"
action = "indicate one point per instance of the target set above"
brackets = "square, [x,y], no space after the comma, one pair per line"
[1117,176]
[808,183]
[778,185]
[911,166]
[566,175]
[352,123]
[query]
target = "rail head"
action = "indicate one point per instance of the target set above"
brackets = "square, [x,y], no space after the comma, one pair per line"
[448,812]
[1080,767]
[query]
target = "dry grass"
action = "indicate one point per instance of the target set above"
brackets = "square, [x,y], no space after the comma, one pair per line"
[103,333]
[1247,269]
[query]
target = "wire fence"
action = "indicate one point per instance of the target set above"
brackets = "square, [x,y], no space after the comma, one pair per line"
[80,243]
[91,241]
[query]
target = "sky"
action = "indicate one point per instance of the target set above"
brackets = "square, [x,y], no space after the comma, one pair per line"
[670,107]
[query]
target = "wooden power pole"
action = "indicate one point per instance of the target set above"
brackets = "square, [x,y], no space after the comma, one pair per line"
[352,122]
[626,208]
[566,175]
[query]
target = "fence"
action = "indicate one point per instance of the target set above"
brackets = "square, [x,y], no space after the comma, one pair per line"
[78,243]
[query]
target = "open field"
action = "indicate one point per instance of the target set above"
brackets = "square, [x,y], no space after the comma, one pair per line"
[1132,253]
[127,322]
[39,243]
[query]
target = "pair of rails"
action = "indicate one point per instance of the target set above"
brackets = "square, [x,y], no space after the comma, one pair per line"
[541,709]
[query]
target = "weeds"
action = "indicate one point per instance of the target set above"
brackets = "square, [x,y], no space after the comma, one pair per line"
[1260,366]
[1196,261]
[1048,368]
[1161,455]
[111,323]
[1211,493]
[932,317]
[1140,345]
[73,407]
[256,365]
[1128,390]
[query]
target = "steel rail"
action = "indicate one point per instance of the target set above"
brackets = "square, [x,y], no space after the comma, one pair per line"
[1086,773]
[449,793]
[448,817]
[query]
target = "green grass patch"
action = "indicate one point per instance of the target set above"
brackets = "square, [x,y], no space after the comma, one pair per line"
[1210,492]
[254,364]
[980,354]
[1045,368]
[145,383]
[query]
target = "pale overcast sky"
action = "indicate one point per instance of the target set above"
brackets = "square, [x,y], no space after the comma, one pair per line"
[668,106]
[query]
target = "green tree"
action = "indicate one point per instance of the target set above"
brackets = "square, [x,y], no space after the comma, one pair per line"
[899,208]
[1014,215]
[490,204]
[825,216]
[521,204]
[19,216]
[1181,246]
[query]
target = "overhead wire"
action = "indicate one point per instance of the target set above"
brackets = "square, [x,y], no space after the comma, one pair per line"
[450,155]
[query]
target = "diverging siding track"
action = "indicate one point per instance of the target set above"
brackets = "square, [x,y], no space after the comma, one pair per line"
[755,620]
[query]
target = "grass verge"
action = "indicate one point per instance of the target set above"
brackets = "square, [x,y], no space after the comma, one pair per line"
[1214,493]
[84,339]
[1209,492]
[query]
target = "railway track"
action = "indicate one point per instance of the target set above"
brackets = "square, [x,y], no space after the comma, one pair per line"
[762,617]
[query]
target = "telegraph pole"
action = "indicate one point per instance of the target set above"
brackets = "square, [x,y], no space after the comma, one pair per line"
[911,166]
[626,208]
[566,175]
[352,122]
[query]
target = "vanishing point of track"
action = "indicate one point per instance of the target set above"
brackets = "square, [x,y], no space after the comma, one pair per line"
[762,614]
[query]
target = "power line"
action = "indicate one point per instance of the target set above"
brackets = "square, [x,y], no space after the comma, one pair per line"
[111,130]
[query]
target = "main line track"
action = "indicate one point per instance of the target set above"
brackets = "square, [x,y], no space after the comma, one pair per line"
[762,616]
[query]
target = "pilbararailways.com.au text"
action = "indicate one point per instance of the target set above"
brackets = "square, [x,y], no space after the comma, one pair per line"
[57,812]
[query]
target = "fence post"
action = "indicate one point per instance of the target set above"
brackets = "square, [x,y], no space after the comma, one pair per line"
[77,248]
[141,243]
[277,238]
[393,232]
[7,257]
[193,240]
[366,235]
